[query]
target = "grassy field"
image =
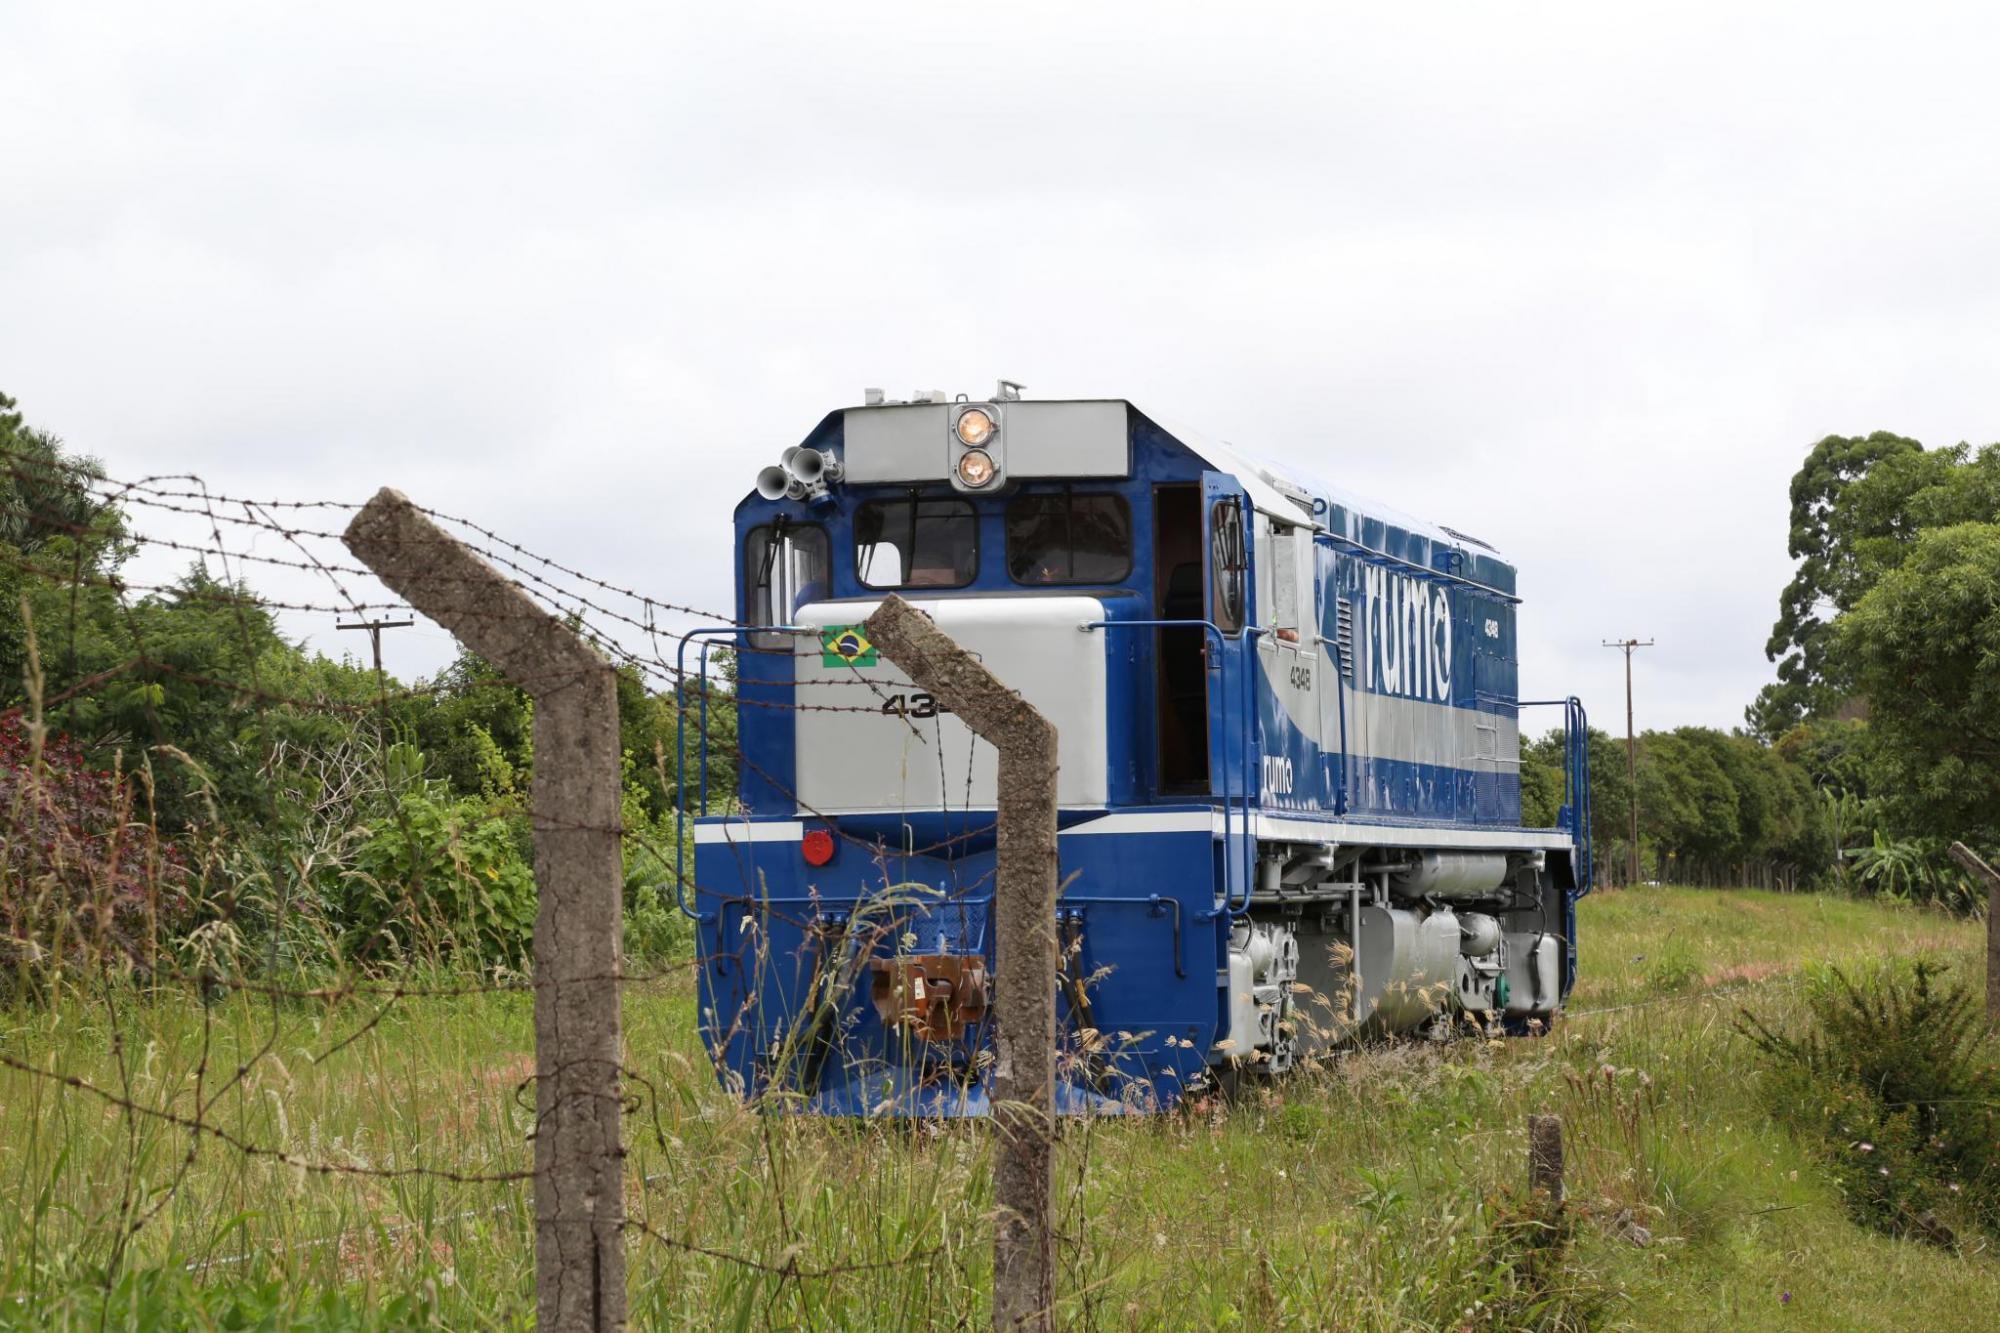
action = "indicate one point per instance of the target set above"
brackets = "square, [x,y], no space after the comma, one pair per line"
[1380,1192]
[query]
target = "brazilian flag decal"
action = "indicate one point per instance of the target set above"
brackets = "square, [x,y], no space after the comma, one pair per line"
[846,645]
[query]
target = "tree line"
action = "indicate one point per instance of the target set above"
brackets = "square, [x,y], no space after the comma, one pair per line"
[207,770]
[170,761]
[1879,743]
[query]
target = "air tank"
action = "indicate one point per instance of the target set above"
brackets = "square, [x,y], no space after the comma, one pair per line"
[1451,875]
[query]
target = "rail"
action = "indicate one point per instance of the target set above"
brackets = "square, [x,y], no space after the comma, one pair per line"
[1340,707]
[1232,794]
[1575,814]
[680,744]
[1250,633]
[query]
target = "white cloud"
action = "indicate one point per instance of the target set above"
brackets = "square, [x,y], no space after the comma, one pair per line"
[1586,280]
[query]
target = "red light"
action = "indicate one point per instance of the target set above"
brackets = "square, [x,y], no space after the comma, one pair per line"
[816,847]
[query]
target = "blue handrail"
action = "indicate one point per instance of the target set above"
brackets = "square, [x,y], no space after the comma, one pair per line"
[1251,750]
[1576,782]
[1577,724]
[1340,706]
[1229,904]
[680,744]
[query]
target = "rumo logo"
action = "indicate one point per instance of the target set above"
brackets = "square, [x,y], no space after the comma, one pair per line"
[1408,639]
[1277,775]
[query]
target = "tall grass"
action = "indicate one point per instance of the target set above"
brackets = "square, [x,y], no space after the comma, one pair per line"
[1381,1189]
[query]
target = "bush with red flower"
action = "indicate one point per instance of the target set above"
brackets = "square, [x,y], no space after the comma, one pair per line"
[85,876]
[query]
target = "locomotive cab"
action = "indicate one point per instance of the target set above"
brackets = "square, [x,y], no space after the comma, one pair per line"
[1287,741]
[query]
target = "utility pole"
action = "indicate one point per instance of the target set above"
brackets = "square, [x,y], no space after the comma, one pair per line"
[1631,750]
[375,628]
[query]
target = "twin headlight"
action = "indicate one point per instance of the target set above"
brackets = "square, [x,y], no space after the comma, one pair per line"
[975,450]
[977,442]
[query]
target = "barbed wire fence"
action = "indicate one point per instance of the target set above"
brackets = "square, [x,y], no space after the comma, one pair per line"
[264,1006]
[220,861]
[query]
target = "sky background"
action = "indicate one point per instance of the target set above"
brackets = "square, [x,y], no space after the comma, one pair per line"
[1585,280]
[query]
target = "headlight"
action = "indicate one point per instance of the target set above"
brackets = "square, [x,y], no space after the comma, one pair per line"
[975,466]
[975,428]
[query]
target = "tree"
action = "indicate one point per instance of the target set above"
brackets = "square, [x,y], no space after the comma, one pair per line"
[52,525]
[1859,505]
[1924,646]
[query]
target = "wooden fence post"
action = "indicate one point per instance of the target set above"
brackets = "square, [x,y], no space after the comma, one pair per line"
[1966,857]
[579,1160]
[1545,1158]
[1024,965]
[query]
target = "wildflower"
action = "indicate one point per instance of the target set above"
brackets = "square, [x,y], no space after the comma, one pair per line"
[1784,1298]
[1865,1147]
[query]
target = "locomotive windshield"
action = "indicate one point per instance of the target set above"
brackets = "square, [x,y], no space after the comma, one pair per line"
[1069,538]
[916,543]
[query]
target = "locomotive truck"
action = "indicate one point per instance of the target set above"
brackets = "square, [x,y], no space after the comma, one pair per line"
[1289,794]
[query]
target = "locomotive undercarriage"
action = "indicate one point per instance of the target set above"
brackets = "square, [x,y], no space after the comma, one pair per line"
[1341,943]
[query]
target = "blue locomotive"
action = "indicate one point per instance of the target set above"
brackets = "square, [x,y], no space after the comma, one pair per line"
[1290,807]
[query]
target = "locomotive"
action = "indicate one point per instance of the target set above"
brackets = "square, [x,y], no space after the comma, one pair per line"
[1289,801]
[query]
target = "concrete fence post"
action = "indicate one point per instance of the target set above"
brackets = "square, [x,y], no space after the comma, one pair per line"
[1545,1158]
[1025,952]
[579,1159]
[1987,875]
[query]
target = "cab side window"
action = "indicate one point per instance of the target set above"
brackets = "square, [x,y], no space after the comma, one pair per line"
[1228,564]
[1284,616]
[784,567]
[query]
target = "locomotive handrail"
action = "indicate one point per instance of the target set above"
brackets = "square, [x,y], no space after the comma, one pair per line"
[1156,905]
[1370,553]
[1576,778]
[1340,706]
[680,742]
[1250,634]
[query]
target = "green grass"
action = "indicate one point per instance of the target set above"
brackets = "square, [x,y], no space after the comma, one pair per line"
[1379,1192]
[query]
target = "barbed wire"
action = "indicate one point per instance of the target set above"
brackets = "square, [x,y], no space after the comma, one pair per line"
[140,873]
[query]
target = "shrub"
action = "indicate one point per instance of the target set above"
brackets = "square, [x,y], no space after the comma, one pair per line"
[1894,1083]
[84,872]
[447,877]
[1914,870]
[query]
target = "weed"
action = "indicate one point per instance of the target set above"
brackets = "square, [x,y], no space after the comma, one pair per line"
[1894,1080]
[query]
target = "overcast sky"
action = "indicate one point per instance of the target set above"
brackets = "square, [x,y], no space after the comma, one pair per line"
[1585,280]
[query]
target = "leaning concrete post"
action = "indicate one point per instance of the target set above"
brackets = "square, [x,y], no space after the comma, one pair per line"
[1966,857]
[579,1166]
[1024,964]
